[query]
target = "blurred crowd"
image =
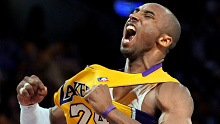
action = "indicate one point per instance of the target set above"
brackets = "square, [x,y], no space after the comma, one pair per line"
[195,61]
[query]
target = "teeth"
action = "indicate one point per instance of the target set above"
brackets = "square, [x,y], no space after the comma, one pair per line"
[130,27]
[126,40]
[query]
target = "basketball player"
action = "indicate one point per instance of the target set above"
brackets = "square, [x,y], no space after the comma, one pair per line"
[143,93]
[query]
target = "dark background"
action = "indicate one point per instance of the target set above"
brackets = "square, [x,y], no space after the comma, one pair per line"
[55,39]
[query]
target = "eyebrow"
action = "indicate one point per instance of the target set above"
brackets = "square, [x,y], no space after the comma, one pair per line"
[147,11]
[137,10]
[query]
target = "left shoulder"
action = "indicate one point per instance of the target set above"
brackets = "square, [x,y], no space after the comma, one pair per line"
[172,88]
[174,97]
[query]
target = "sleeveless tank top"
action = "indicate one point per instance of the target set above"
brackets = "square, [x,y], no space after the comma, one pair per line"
[70,95]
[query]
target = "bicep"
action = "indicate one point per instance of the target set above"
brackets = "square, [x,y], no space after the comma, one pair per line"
[176,104]
[174,118]
[57,116]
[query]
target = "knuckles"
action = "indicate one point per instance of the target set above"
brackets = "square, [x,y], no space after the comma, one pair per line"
[29,87]
[20,85]
[32,80]
[25,93]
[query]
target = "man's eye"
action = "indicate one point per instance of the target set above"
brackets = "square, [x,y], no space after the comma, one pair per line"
[149,16]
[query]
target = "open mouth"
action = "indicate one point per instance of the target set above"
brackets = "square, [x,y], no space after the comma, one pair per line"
[130,33]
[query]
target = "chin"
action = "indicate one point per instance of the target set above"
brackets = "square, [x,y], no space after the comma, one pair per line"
[126,52]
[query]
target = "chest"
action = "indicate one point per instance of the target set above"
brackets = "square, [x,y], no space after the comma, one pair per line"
[141,97]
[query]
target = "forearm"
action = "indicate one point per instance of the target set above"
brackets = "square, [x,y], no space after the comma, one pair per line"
[34,114]
[117,117]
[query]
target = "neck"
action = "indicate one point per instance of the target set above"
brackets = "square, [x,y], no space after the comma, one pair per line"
[141,64]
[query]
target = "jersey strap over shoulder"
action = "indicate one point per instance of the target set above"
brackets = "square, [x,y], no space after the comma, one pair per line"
[100,75]
[69,97]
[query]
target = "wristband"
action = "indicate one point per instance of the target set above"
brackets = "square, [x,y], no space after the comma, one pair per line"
[34,114]
[108,110]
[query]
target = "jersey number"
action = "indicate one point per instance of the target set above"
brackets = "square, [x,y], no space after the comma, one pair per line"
[80,109]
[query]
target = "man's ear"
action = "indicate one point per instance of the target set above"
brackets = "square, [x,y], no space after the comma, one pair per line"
[165,40]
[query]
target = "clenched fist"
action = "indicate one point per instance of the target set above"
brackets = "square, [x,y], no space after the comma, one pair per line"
[31,90]
[99,98]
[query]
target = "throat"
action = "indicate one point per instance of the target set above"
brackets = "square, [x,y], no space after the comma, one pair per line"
[139,65]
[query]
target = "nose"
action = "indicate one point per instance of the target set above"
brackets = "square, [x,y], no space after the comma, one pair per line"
[134,17]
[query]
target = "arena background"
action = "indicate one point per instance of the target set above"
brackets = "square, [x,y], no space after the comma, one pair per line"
[55,39]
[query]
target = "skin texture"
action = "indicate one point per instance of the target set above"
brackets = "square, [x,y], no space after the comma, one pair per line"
[156,32]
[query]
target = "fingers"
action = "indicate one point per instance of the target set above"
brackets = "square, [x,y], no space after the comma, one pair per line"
[99,98]
[96,89]
[27,90]
[29,86]
[39,82]
[43,92]
[31,90]
[87,93]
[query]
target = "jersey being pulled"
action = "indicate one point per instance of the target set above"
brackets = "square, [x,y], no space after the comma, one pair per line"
[78,111]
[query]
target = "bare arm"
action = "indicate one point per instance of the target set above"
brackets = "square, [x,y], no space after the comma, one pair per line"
[57,116]
[175,102]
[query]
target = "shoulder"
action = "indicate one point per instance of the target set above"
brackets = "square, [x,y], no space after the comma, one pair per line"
[173,89]
[173,97]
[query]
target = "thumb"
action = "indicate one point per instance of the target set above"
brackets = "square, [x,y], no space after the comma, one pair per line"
[42,92]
